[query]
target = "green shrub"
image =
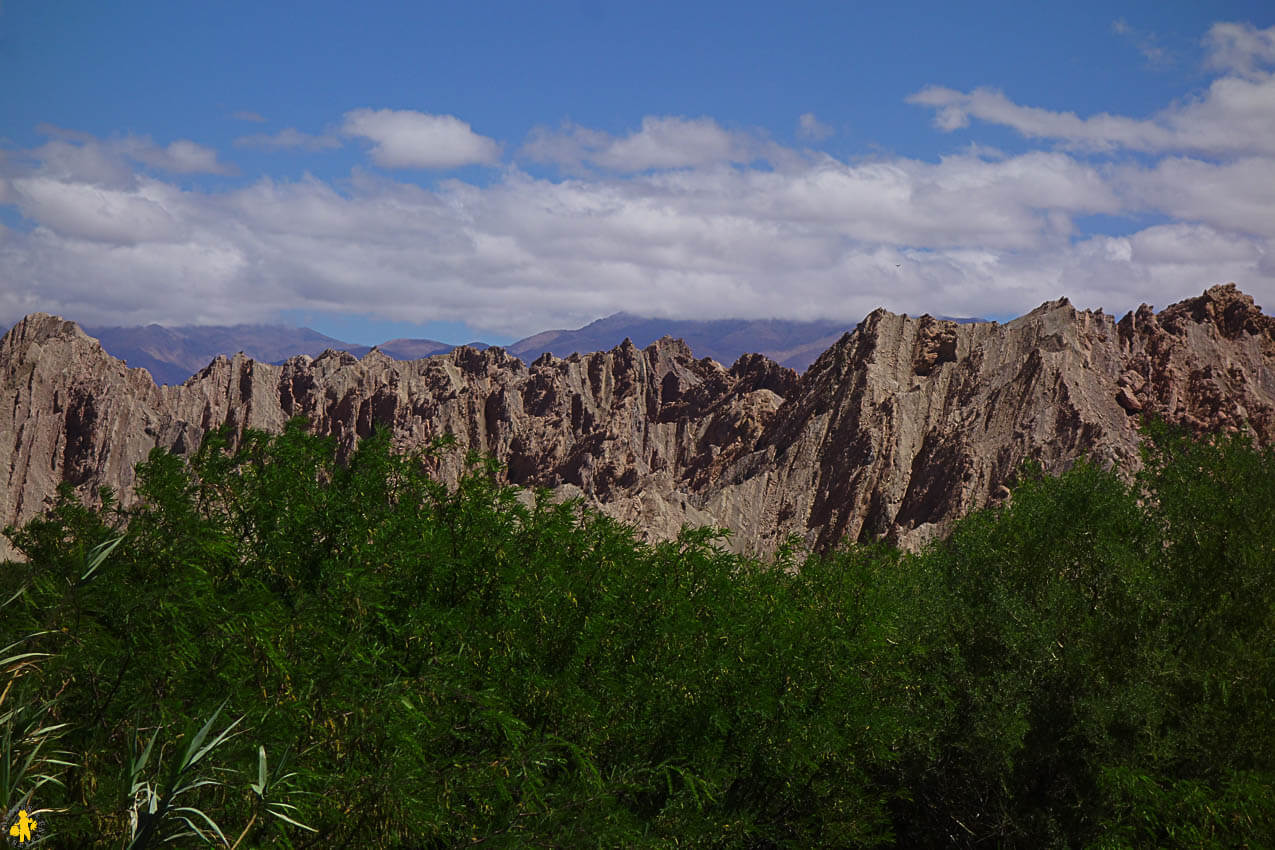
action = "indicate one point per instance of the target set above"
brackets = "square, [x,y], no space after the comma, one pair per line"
[1087,665]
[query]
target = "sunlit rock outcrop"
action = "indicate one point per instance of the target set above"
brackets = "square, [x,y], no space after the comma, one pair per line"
[901,426]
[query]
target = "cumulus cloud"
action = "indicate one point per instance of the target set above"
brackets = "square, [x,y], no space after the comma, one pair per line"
[89,162]
[1234,116]
[180,157]
[74,153]
[83,211]
[1235,196]
[811,128]
[1190,245]
[819,237]
[680,217]
[662,142]
[288,138]
[1240,48]
[403,138]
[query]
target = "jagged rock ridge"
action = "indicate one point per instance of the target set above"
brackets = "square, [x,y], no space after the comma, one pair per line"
[901,426]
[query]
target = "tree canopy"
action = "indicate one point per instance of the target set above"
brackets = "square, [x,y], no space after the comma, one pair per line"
[276,649]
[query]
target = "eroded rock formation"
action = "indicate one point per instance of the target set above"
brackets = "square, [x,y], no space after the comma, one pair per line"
[897,429]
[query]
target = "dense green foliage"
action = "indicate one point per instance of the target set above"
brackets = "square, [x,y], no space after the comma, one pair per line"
[359,650]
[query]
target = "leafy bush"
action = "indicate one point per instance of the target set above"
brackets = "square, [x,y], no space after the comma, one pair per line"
[1088,665]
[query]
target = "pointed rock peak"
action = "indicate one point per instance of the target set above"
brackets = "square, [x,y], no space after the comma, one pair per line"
[241,360]
[1221,295]
[496,355]
[757,372]
[928,321]
[38,327]
[869,326]
[670,345]
[877,315]
[749,363]
[477,362]
[1050,317]
[1226,292]
[481,350]
[1063,303]
[1225,307]
[344,358]
[1141,319]
[220,360]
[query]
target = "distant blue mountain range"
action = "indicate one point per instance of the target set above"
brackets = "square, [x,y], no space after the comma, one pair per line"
[173,354]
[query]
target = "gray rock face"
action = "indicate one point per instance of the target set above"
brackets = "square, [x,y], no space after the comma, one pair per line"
[897,429]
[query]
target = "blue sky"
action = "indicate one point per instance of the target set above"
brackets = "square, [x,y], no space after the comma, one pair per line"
[490,171]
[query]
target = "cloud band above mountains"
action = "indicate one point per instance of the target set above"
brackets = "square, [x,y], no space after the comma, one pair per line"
[680,216]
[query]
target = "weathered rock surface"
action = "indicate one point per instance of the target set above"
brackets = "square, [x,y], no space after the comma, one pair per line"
[896,430]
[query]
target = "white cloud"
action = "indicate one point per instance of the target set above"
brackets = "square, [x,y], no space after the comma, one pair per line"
[248,115]
[662,142]
[1234,116]
[180,157]
[570,147]
[288,138]
[54,131]
[1240,48]
[679,217]
[1236,196]
[672,143]
[90,162]
[403,138]
[817,237]
[85,211]
[72,153]
[1176,245]
[811,128]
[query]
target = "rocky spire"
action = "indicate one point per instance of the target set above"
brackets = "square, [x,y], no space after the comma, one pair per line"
[898,428]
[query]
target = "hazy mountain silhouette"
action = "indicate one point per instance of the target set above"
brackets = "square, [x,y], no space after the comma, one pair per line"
[173,354]
[793,344]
